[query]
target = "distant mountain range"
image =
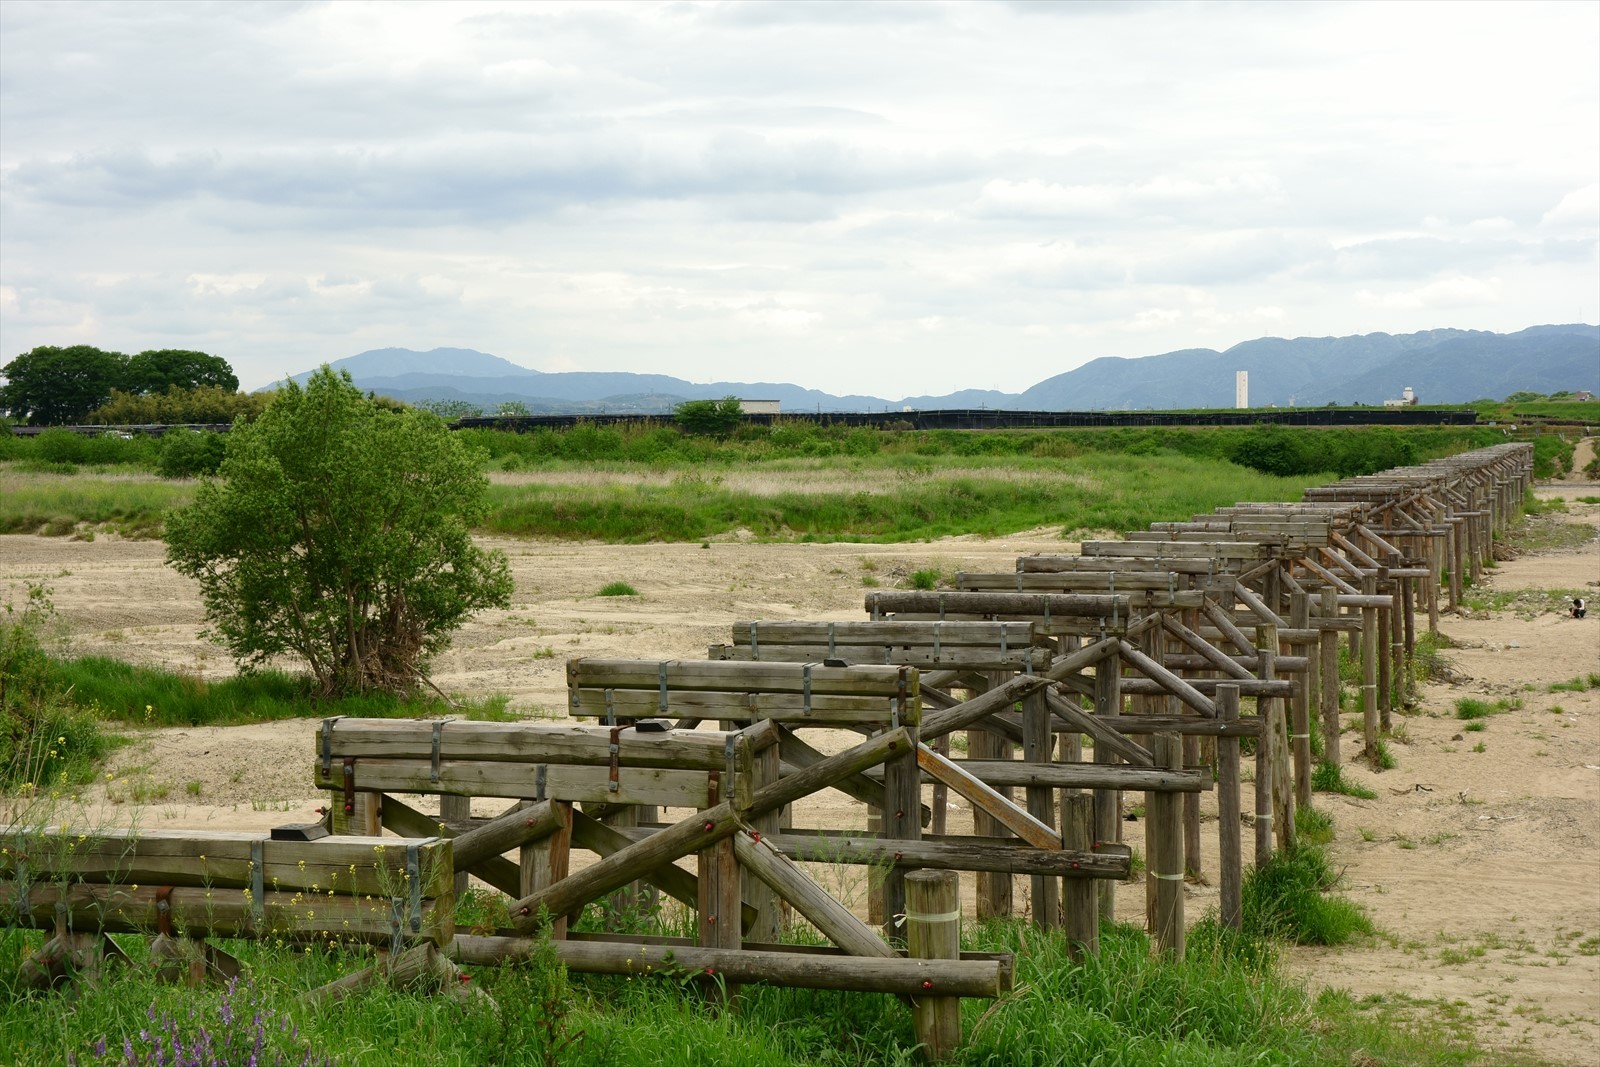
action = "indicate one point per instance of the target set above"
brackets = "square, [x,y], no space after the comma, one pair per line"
[1442,366]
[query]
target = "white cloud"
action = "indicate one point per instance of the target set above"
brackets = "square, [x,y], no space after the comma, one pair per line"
[861,198]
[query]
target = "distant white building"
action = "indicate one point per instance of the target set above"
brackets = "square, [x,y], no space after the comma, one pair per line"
[1241,389]
[1407,399]
[758,407]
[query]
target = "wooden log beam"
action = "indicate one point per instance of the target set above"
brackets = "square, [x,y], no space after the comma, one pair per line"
[1109,860]
[979,793]
[407,821]
[806,970]
[1085,775]
[700,831]
[836,922]
[1078,719]
[1171,682]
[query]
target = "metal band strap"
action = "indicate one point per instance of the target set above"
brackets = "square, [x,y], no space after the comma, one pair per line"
[615,748]
[540,774]
[661,687]
[805,689]
[327,744]
[1264,816]
[258,878]
[1027,659]
[941,607]
[1298,737]
[414,878]
[438,737]
[1167,877]
[1003,648]
[755,642]
[1019,581]
[1047,611]
[611,707]
[164,910]
[1111,582]
[937,627]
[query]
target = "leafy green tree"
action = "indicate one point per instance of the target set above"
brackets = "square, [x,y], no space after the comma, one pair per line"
[158,370]
[205,403]
[450,409]
[709,418]
[51,386]
[339,533]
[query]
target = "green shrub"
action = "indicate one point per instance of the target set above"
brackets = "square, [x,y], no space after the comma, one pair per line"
[1288,899]
[190,453]
[927,578]
[617,589]
[44,739]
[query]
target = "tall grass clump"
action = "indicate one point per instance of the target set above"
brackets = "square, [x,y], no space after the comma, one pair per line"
[45,740]
[1329,778]
[1287,899]
[617,589]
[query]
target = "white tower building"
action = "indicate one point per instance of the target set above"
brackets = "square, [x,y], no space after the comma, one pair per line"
[1241,389]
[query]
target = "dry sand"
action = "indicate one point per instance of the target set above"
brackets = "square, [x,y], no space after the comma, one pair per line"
[1482,868]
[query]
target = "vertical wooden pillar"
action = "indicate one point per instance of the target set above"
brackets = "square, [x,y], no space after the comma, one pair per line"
[1457,560]
[1228,814]
[1165,865]
[1263,784]
[941,792]
[1038,744]
[718,900]
[1080,897]
[364,819]
[548,860]
[1385,664]
[1369,675]
[1300,705]
[994,887]
[769,920]
[1434,546]
[1189,804]
[1274,721]
[1329,649]
[933,924]
[1107,802]
[902,821]
[454,809]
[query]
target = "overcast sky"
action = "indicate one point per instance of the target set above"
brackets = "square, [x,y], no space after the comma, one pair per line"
[895,199]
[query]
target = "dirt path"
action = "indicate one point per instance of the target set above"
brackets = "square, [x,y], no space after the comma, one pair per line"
[1481,867]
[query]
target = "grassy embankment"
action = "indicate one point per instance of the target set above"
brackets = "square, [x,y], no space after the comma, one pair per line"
[788,482]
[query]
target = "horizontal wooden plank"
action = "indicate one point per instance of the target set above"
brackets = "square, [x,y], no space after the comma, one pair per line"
[1144,725]
[1086,776]
[1072,581]
[733,676]
[946,854]
[1235,550]
[635,785]
[1109,562]
[223,860]
[530,743]
[202,912]
[786,708]
[955,634]
[947,657]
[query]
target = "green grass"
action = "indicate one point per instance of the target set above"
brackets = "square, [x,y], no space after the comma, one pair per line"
[1471,708]
[1288,899]
[926,578]
[150,696]
[1329,778]
[130,504]
[1578,684]
[1313,827]
[1225,1003]
[887,499]
[617,589]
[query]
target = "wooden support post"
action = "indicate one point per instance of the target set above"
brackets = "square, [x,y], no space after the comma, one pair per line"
[1457,560]
[1263,784]
[1329,640]
[1474,549]
[718,925]
[1397,638]
[902,821]
[1369,676]
[1107,802]
[548,860]
[994,887]
[941,792]
[933,919]
[1275,732]
[875,912]
[1080,897]
[1189,804]
[459,810]
[365,817]
[1385,667]
[1300,704]
[1038,745]
[1165,865]
[1228,813]
[768,924]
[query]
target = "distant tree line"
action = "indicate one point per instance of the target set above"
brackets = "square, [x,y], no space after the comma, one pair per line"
[55,386]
